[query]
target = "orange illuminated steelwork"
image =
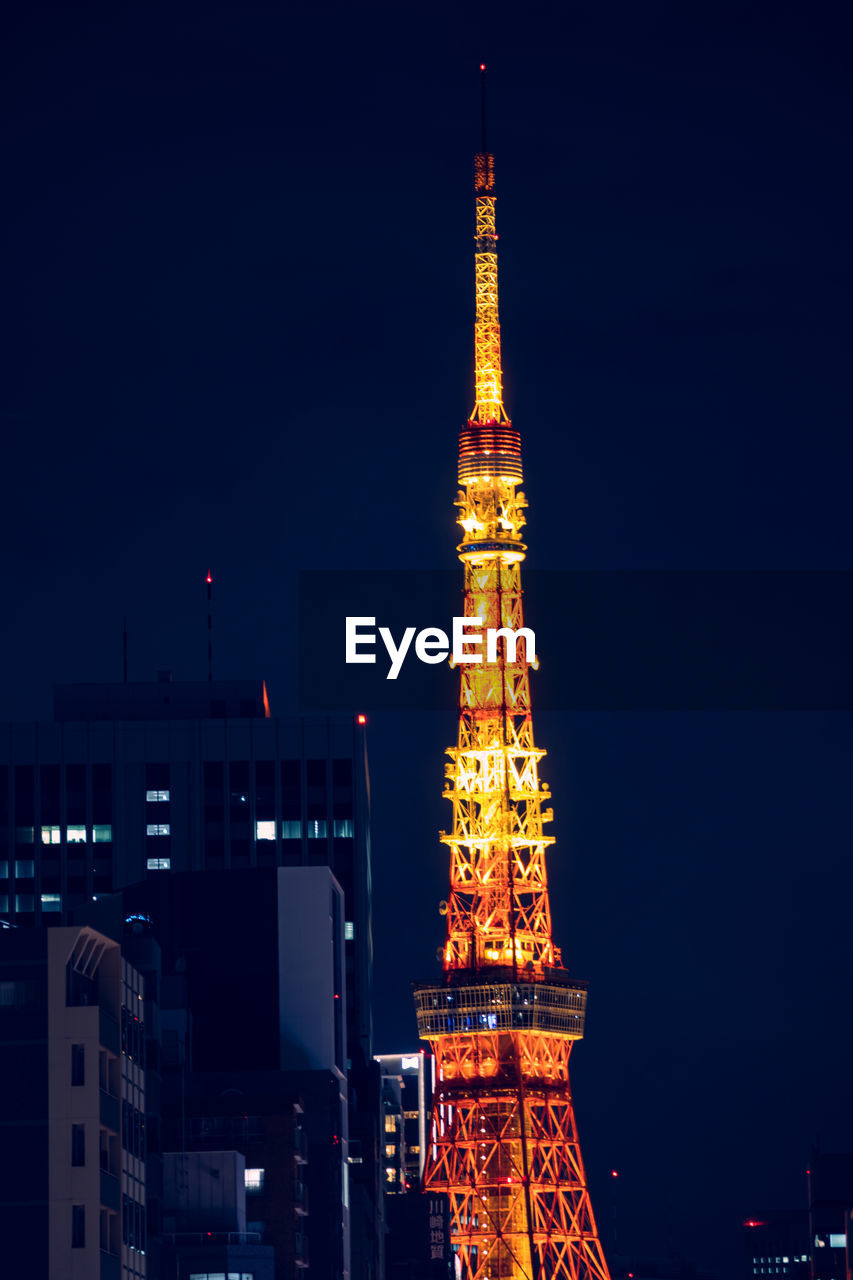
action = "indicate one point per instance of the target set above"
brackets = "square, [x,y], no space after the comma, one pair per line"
[505,1015]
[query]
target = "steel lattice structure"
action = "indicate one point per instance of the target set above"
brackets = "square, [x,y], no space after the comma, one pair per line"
[504,1017]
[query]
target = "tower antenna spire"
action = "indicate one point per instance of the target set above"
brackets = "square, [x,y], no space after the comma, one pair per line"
[483,146]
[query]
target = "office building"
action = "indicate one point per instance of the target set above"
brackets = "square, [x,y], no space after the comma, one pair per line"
[72,1107]
[254,1046]
[408,1082]
[131,781]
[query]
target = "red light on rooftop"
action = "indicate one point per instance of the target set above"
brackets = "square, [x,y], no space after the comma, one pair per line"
[482,66]
[614,1173]
[361,719]
[752,1222]
[209,577]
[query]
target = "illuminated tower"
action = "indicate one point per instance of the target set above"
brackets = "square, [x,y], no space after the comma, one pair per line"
[505,1015]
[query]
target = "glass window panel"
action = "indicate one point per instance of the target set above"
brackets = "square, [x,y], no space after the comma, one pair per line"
[159,864]
[51,902]
[265,830]
[4,902]
[25,870]
[158,797]
[102,833]
[24,902]
[74,835]
[291,830]
[316,829]
[51,835]
[158,829]
[4,870]
[23,835]
[349,931]
[342,828]
[254,1179]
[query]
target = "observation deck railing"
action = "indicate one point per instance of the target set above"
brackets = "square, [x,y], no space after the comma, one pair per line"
[515,1006]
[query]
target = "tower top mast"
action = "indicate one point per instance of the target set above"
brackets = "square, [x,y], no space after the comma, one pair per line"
[488,406]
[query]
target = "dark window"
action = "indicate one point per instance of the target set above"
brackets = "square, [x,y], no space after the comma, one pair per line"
[214,791]
[102,793]
[342,788]
[80,990]
[75,793]
[50,793]
[264,790]
[78,1226]
[78,1144]
[78,1064]
[4,800]
[24,795]
[239,787]
[291,799]
[316,783]
[157,777]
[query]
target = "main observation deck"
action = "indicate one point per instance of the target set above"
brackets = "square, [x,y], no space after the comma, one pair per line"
[555,1009]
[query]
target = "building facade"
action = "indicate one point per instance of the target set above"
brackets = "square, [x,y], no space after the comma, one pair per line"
[134,780]
[72,1107]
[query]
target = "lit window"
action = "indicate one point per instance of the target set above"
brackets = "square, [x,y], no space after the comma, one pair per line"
[159,864]
[415,1149]
[291,830]
[157,797]
[75,835]
[51,902]
[254,1179]
[50,835]
[102,834]
[317,829]
[265,830]
[391,1175]
[24,902]
[25,870]
[342,827]
[349,930]
[158,829]
[4,870]
[23,835]
[390,1124]
[390,1149]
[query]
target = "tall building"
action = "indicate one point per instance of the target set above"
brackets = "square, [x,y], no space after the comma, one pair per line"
[137,780]
[192,792]
[504,1016]
[253,1012]
[408,1084]
[72,1107]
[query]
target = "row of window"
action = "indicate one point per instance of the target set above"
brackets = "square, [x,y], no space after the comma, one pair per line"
[222,1275]
[101,833]
[133,1223]
[290,830]
[318,829]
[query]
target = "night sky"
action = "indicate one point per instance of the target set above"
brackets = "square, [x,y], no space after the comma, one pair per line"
[237,312]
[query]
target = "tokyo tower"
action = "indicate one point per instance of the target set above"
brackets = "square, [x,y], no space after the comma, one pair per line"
[503,1019]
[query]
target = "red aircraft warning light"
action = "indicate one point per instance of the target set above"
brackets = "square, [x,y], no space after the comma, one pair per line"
[361,719]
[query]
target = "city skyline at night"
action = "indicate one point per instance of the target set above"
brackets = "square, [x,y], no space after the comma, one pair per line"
[237,325]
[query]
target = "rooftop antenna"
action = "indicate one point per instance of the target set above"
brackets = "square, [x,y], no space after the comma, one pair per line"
[124,649]
[483,147]
[209,580]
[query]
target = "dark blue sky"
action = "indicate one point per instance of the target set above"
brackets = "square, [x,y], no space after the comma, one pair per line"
[237,304]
